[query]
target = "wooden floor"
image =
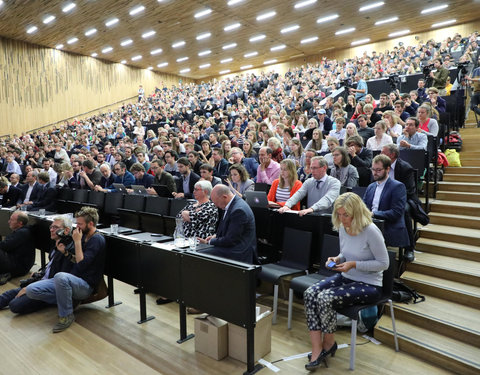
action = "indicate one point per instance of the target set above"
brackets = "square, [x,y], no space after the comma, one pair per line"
[109,341]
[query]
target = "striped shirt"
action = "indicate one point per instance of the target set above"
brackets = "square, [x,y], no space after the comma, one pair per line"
[282,194]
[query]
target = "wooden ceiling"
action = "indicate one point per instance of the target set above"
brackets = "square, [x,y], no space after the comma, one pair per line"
[174,20]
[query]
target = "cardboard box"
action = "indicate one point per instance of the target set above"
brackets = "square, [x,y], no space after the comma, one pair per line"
[211,336]
[237,338]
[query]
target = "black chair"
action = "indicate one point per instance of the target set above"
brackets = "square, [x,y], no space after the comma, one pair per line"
[418,159]
[157,205]
[295,259]
[330,248]
[80,195]
[151,222]
[113,201]
[176,205]
[359,190]
[97,198]
[65,194]
[352,312]
[261,186]
[134,202]
[129,218]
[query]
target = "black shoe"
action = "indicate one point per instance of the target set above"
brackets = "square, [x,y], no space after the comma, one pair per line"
[324,353]
[5,278]
[313,365]
[409,255]
[163,301]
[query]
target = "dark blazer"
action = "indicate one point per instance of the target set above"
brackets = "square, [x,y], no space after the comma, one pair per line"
[363,162]
[221,169]
[12,197]
[251,165]
[236,236]
[406,175]
[46,199]
[191,184]
[20,250]
[37,188]
[391,208]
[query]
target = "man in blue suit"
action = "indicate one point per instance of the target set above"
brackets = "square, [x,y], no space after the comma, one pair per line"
[386,198]
[236,236]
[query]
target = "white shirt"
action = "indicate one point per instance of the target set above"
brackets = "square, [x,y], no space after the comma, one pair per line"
[391,174]
[378,194]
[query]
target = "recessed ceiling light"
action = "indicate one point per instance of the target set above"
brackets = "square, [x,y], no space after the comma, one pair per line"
[300,54]
[48,19]
[111,22]
[224,61]
[224,71]
[444,23]
[72,40]
[126,42]
[250,54]
[150,68]
[246,67]
[94,54]
[123,62]
[305,3]
[387,20]
[360,41]
[273,61]
[278,48]
[434,9]
[180,59]
[371,6]
[186,70]
[345,31]
[327,18]
[68,7]
[204,66]
[178,44]
[203,13]
[156,51]
[136,58]
[229,46]
[148,34]
[264,16]
[289,29]
[231,27]
[234,2]
[162,65]
[309,40]
[137,10]
[32,29]
[204,53]
[107,50]
[59,46]
[90,32]
[398,33]
[256,38]
[204,36]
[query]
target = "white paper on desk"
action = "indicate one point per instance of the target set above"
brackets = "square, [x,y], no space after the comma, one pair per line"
[292,212]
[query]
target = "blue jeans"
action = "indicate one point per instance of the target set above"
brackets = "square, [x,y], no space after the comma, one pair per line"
[20,305]
[62,289]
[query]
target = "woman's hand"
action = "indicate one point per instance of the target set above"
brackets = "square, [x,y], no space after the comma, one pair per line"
[186,216]
[346,266]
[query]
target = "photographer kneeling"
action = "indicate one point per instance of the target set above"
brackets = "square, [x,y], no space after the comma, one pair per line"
[84,276]
[62,258]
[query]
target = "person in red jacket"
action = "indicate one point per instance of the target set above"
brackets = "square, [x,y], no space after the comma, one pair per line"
[285,186]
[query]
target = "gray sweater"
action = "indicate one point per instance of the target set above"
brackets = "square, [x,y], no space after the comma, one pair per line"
[368,249]
[320,200]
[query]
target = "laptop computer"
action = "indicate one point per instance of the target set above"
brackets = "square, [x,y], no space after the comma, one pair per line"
[139,190]
[256,199]
[162,191]
[120,188]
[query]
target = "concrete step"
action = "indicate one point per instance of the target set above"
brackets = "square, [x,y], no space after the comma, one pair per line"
[462,170]
[462,177]
[455,207]
[470,187]
[464,221]
[446,233]
[451,249]
[470,162]
[458,196]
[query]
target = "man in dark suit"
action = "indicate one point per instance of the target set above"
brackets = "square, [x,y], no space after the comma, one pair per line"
[11,196]
[46,198]
[17,251]
[236,236]
[386,198]
[32,188]
[186,181]
[361,158]
[250,164]
[220,169]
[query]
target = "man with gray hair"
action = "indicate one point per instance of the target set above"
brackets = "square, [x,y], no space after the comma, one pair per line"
[321,190]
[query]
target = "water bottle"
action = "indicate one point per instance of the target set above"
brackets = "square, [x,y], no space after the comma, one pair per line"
[179,235]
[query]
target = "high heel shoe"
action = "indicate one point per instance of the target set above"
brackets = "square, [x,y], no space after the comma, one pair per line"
[313,365]
[331,351]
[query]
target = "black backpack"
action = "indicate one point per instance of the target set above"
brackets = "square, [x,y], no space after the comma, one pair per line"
[403,293]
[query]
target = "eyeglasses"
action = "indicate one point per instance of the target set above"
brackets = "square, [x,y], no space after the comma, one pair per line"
[54,227]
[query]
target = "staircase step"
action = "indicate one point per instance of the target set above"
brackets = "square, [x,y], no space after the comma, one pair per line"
[450,268]
[450,249]
[445,352]
[470,154]
[458,196]
[446,233]
[462,177]
[455,207]
[474,162]
[462,170]
[443,317]
[468,187]
[465,294]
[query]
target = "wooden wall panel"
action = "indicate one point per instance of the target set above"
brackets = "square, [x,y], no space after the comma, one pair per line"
[39,86]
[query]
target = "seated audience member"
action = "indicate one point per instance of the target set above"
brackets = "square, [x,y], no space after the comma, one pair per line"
[394,128]
[12,165]
[11,196]
[250,164]
[220,166]
[129,157]
[372,117]
[317,143]
[141,178]
[47,167]
[17,250]
[380,139]
[437,101]
[285,186]
[85,275]
[324,122]
[206,174]
[186,181]
[89,175]
[46,198]
[411,105]
[305,172]
[384,105]
[386,198]
[31,188]
[142,160]
[68,177]
[439,77]
[248,149]
[15,180]
[122,176]
[321,190]
[171,166]
[363,258]
[193,158]
[399,110]
[269,169]
[342,170]
[427,124]
[235,237]
[296,153]
[60,261]
[351,129]
[412,139]
[276,147]
[363,130]
[332,142]
[239,181]
[200,218]
[61,155]
[107,176]
[161,177]
[360,158]
[339,132]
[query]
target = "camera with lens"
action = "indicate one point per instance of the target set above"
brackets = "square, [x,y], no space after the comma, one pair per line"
[427,69]
[65,238]
[347,83]
[36,276]
[393,80]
